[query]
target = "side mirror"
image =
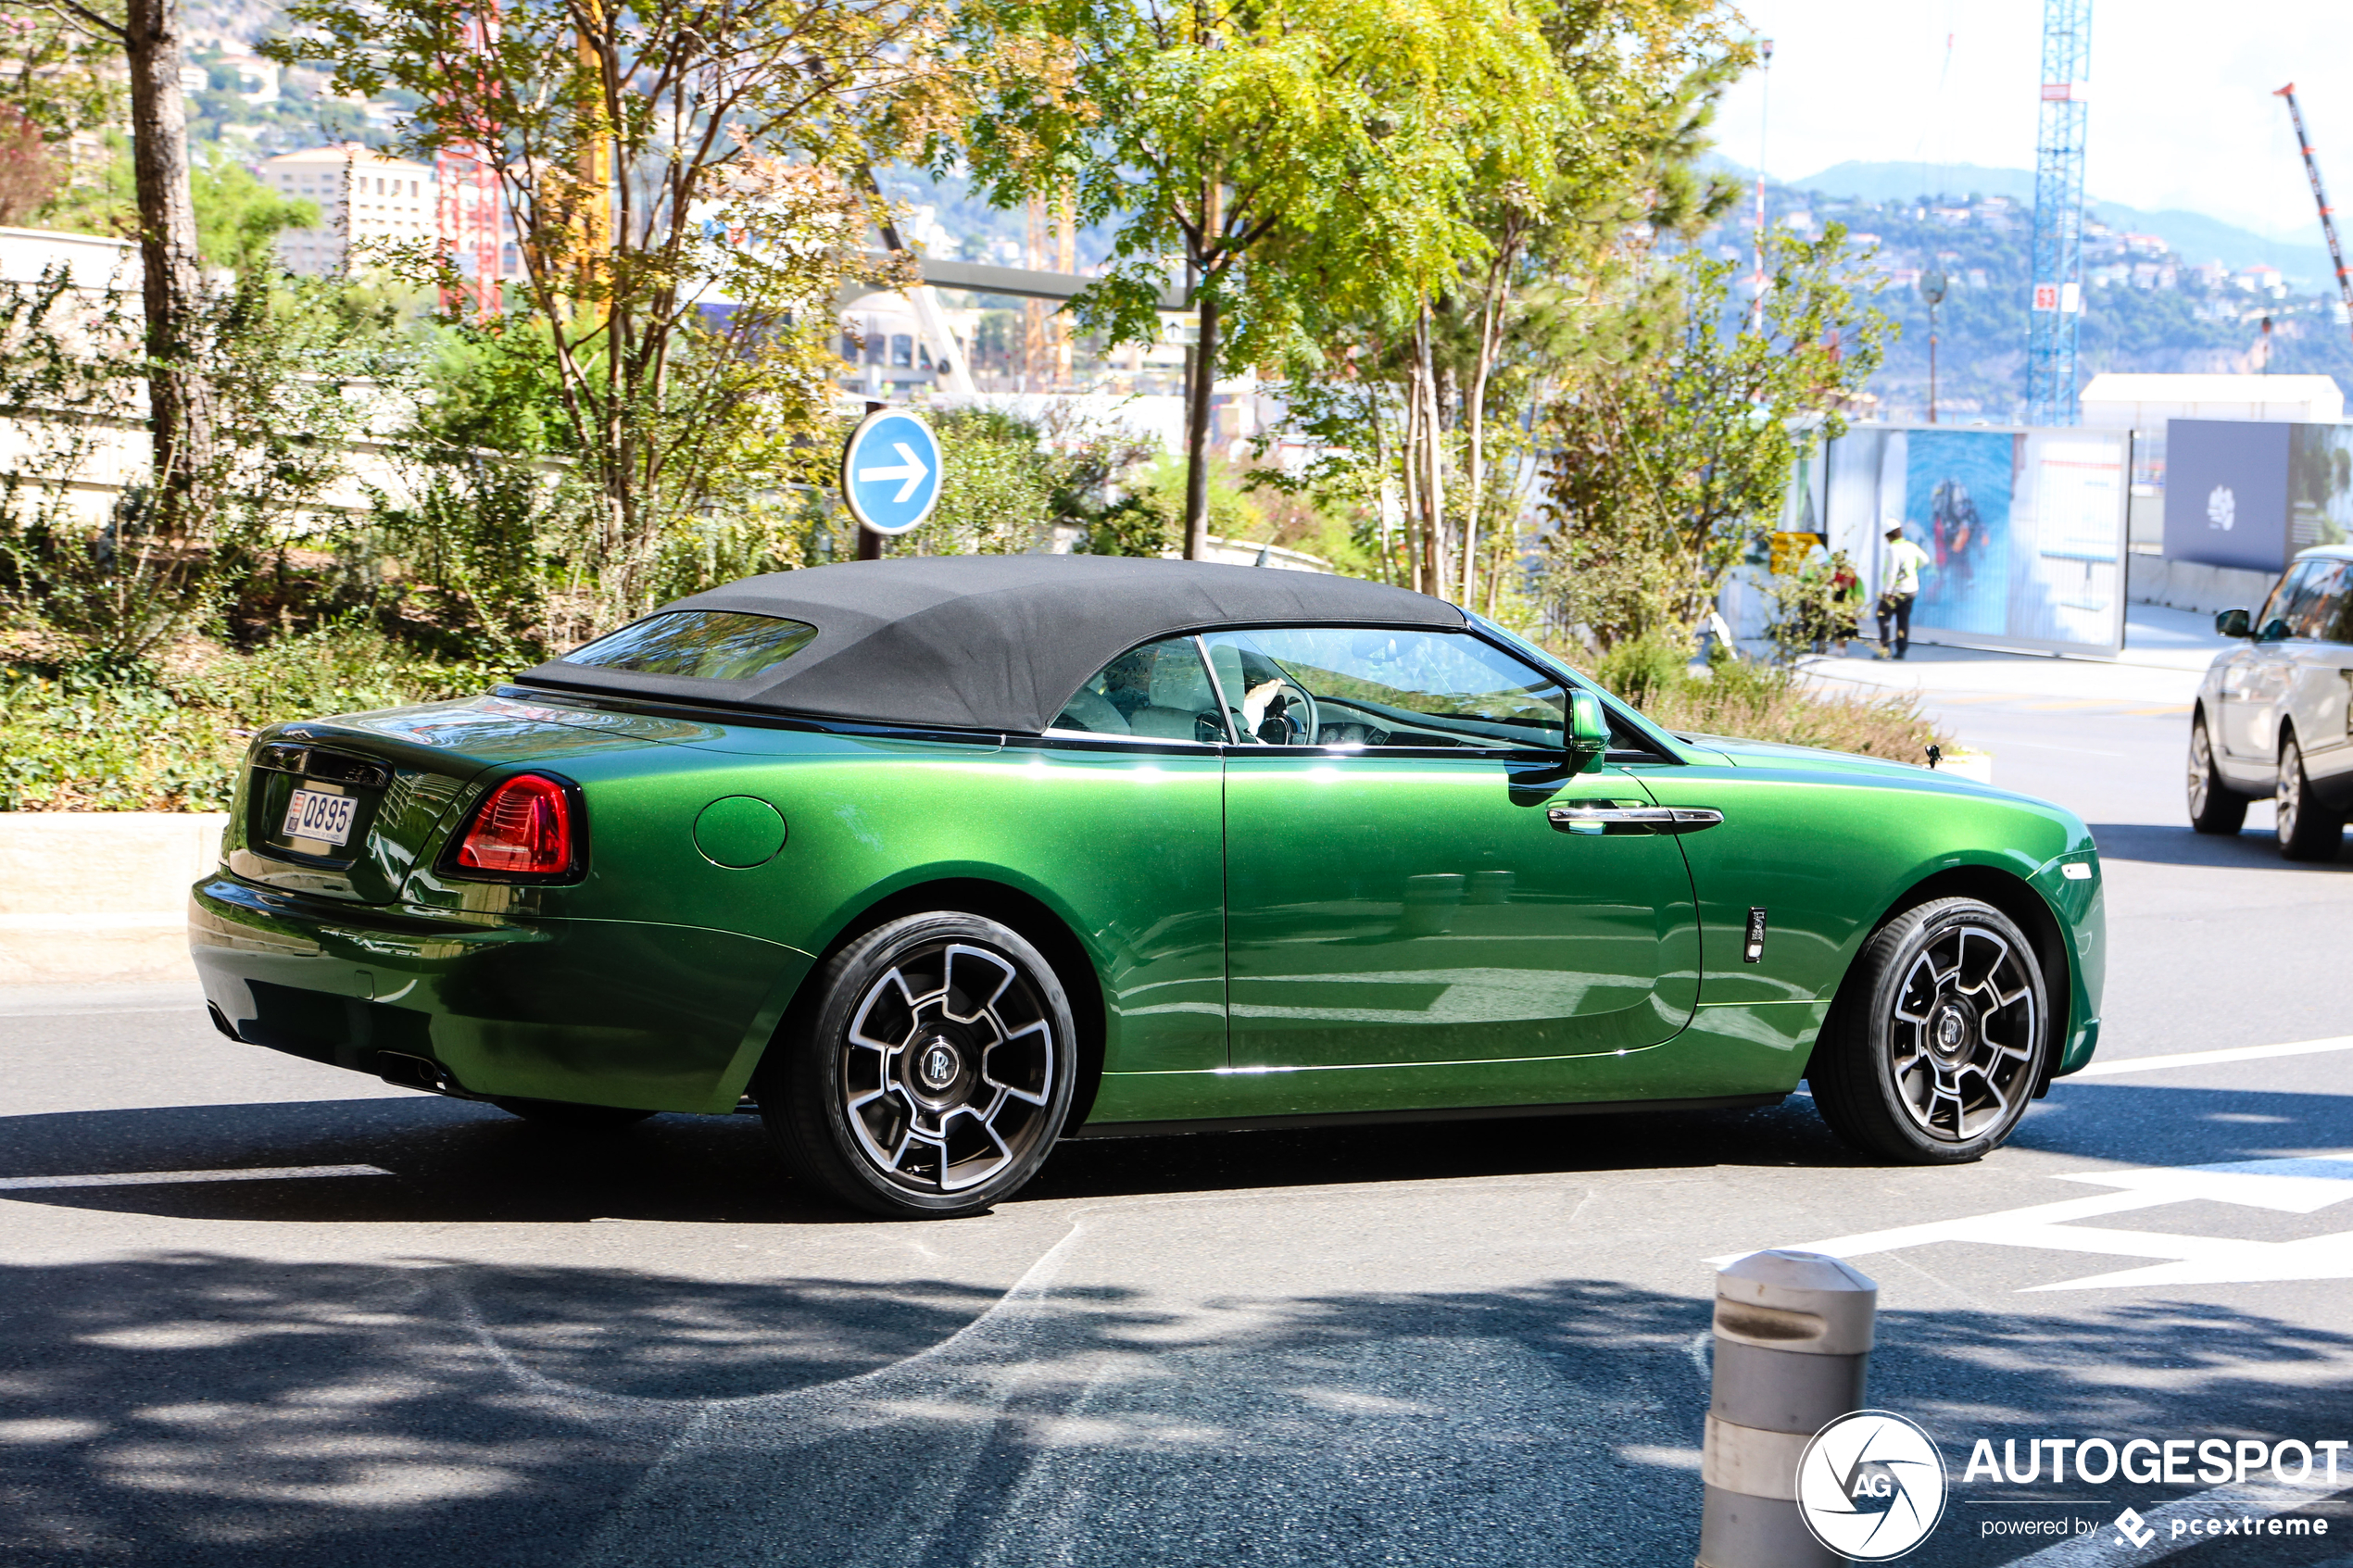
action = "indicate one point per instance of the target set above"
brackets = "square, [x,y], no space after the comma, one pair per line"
[1588,731]
[2233,624]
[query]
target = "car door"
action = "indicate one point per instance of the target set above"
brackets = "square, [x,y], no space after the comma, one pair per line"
[2256,680]
[1413,874]
[2317,656]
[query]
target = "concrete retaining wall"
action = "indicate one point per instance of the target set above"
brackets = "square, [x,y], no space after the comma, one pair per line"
[2153,580]
[93,898]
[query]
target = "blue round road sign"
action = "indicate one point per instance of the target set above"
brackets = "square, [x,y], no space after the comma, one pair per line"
[890,471]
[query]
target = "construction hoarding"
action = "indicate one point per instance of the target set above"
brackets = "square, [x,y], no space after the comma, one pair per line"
[2024,528]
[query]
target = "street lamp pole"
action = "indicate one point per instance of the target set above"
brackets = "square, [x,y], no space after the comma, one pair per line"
[1932,285]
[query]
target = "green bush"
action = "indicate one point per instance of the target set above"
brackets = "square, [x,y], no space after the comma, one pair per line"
[80,741]
[1766,702]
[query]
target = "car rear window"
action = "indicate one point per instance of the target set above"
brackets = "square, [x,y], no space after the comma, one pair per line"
[715,644]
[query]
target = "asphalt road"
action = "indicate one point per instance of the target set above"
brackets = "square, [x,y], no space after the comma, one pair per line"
[1480,1344]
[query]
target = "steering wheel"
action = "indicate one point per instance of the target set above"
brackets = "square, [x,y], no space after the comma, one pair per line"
[1263,696]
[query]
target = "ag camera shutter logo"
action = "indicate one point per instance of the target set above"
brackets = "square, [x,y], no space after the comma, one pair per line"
[1871,1485]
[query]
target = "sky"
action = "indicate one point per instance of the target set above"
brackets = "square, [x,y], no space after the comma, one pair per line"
[2181,112]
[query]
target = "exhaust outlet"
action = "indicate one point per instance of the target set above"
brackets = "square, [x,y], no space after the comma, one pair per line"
[406,1072]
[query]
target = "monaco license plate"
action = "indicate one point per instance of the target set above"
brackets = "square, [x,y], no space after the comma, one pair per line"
[312,814]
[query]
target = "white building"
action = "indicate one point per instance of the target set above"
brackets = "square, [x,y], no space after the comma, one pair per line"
[2132,401]
[362,197]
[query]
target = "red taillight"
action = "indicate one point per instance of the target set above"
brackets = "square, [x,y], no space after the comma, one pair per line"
[524,828]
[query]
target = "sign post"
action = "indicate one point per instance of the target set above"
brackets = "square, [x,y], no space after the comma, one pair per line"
[890,475]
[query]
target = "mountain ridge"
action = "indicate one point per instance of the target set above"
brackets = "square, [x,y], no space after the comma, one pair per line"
[2194,236]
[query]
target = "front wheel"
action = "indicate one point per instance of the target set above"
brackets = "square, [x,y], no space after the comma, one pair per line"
[2308,829]
[1933,1048]
[2214,806]
[933,1075]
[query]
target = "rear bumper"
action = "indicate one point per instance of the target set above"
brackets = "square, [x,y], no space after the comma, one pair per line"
[595,1012]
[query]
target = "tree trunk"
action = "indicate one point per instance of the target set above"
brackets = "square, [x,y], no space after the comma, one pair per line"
[1491,337]
[1433,573]
[179,400]
[1409,466]
[1197,435]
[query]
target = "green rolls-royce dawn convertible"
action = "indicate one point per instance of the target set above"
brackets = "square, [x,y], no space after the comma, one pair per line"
[939,861]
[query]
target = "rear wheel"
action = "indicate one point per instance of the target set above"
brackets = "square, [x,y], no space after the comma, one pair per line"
[2214,806]
[1932,1052]
[933,1076]
[571,1117]
[2308,829]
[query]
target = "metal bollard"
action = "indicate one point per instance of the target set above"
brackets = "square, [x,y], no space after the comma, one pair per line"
[1793,1349]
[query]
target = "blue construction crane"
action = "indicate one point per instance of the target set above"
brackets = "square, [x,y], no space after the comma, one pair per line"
[2057,302]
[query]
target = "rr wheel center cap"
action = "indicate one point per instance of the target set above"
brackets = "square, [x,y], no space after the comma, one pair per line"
[1950,1030]
[940,1069]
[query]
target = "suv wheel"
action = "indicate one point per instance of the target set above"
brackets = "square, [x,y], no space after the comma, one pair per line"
[2214,806]
[933,1075]
[2308,829]
[1932,1051]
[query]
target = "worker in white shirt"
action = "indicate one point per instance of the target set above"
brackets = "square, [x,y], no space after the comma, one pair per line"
[1902,564]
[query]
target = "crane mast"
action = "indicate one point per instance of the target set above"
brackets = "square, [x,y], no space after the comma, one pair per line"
[2320,195]
[2057,297]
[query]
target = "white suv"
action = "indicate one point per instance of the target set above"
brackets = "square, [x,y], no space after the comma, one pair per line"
[2273,718]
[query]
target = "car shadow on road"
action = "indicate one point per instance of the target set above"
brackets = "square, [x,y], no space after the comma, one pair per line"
[203,1411]
[449,1162]
[2250,850]
[452,1161]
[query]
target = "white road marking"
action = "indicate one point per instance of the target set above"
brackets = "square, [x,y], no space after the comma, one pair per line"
[2200,1058]
[159,1178]
[2289,1186]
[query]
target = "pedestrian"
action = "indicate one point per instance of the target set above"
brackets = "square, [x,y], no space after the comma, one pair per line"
[1846,600]
[1903,560]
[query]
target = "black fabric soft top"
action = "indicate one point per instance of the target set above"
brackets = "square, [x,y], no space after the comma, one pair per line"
[989,642]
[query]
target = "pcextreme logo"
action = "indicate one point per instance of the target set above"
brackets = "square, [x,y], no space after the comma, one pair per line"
[1871,1485]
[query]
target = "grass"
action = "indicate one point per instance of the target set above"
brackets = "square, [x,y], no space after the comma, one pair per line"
[1765,702]
[173,742]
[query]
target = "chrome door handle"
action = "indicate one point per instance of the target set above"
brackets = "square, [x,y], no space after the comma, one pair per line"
[1654,818]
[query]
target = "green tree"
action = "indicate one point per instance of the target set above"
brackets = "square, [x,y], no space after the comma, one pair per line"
[1411,410]
[53,87]
[671,167]
[1672,448]
[1292,154]
[239,218]
[118,587]
[178,318]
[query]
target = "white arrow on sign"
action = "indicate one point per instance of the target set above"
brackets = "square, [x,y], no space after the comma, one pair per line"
[910,469]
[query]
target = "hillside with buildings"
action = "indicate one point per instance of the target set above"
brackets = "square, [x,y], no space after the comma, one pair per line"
[2148,306]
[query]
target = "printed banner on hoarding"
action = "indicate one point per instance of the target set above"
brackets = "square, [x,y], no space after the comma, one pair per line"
[2023,529]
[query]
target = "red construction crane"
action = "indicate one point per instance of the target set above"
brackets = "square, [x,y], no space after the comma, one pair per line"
[2320,195]
[466,184]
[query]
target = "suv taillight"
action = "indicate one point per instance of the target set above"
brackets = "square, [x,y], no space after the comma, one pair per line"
[527,829]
